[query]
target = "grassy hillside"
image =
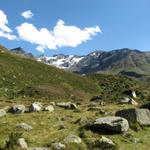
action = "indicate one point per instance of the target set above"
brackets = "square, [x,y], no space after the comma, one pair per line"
[113,87]
[27,77]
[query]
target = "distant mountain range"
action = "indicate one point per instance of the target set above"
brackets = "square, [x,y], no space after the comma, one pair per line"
[130,62]
[121,61]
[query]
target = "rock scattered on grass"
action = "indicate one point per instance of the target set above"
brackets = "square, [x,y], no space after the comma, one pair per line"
[72,139]
[24,126]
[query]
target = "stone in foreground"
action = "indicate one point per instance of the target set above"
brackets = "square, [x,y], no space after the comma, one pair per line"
[110,125]
[140,116]
[72,139]
[105,144]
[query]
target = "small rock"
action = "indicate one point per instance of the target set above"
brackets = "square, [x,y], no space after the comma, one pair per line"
[49,108]
[95,108]
[35,107]
[58,146]
[82,120]
[2,112]
[105,144]
[72,139]
[130,93]
[22,143]
[38,148]
[127,100]
[67,105]
[24,126]
[96,98]
[17,109]
[53,103]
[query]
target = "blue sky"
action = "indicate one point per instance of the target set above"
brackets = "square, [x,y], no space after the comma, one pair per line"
[89,25]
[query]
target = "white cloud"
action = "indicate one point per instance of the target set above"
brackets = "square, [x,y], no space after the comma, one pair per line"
[5,31]
[62,35]
[27,14]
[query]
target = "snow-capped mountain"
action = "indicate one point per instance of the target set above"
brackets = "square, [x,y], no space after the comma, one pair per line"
[114,61]
[61,61]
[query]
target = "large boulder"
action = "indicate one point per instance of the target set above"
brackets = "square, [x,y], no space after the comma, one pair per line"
[22,143]
[67,105]
[2,112]
[105,144]
[49,108]
[35,107]
[17,109]
[140,116]
[110,125]
[24,126]
[72,139]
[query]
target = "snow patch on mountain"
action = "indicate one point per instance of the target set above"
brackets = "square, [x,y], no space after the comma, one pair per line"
[61,61]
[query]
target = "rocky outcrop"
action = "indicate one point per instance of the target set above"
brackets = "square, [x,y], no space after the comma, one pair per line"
[140,116]
[110,125]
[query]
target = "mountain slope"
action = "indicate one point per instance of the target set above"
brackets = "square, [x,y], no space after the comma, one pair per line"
[19,74]
[113,87]
[115,61]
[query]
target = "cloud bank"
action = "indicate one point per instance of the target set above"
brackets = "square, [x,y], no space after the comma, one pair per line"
[27,14]
[5,31]
[61,36]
